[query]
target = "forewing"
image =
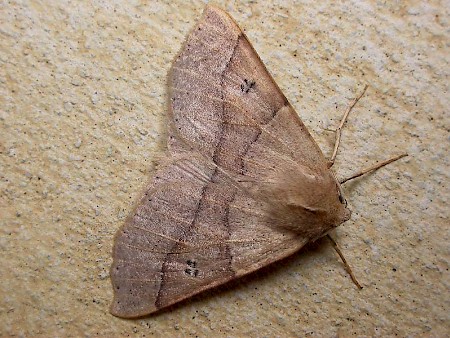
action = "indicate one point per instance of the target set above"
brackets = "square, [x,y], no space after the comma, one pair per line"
[226,105]
[190,231]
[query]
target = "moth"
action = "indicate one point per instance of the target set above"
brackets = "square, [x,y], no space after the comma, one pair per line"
[244,183]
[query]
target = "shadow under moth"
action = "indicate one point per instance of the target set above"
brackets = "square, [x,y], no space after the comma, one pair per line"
[244,183]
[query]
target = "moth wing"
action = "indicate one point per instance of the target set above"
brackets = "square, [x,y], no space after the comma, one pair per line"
[190,231]
[225,105]
[198,225]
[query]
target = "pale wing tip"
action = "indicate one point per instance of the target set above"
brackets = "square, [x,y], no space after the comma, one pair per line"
[124,304]
[225,18]
[213,8]
[127,312]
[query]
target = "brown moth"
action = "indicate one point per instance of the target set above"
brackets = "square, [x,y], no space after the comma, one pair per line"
[244,184]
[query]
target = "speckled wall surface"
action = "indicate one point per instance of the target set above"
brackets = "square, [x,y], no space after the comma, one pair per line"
[82,118]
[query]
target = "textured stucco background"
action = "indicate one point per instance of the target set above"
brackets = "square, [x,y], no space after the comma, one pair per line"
[83,104]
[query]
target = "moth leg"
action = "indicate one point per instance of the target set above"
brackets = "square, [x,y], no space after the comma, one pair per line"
[338,130]
[347,267]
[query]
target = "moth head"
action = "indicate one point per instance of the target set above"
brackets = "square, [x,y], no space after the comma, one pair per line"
[307,200]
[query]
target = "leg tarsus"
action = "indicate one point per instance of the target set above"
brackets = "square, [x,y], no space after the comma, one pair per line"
[347,267]
[338,130]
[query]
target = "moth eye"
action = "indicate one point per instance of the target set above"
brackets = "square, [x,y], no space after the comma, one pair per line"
[342,200]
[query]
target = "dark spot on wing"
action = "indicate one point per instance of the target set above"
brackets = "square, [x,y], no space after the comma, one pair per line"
[247,85]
